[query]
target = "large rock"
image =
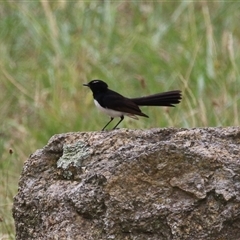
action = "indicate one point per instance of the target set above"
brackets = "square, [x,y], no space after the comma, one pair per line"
[125,184]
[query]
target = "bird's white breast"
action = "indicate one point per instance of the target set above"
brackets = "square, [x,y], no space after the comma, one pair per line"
[109,112]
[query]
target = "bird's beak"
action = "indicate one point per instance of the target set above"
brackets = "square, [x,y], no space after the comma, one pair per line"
[86,85]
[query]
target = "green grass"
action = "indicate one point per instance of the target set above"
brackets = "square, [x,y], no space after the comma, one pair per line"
[48,49]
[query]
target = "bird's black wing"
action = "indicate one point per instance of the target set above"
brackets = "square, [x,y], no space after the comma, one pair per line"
[115,101]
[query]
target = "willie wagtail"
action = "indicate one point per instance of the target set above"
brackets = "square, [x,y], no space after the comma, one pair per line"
[116,105]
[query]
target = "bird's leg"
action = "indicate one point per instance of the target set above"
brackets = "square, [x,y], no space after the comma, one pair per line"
[122,117]
[107,123]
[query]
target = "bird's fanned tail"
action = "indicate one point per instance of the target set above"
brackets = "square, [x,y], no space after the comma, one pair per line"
[167,99]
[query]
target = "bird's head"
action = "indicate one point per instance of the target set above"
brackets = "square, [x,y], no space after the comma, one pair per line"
[97,85]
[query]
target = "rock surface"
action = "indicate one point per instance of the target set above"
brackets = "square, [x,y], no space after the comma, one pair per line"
[125,184]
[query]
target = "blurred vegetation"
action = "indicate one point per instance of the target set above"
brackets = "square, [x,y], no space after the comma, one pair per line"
[50,48]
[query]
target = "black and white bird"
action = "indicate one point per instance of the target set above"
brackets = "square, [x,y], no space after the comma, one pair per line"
[115,105]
